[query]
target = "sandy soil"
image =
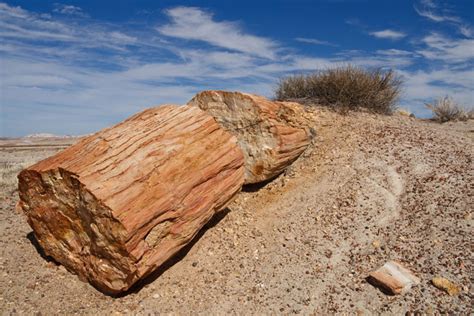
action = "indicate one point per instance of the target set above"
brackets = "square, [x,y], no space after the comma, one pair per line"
[370,189]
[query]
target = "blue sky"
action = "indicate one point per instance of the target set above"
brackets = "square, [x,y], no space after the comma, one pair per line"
[78,66]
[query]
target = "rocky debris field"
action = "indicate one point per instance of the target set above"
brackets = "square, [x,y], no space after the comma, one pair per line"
[370,189]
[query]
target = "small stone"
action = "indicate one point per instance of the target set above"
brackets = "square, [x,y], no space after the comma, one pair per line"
[393,278]
[156,295]
[446,285]
[376,244]
[31,286]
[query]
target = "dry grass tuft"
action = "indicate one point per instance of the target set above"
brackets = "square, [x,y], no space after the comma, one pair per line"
[10,168]
[445,109]
[345,88]
[8,173]
[404,112]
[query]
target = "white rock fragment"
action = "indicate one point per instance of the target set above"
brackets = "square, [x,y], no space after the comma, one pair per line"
[393,278]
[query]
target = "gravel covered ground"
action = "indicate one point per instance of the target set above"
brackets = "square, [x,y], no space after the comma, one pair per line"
[370,189]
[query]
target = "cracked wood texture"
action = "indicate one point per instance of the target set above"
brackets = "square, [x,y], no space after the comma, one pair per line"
[271,134]
[115,206]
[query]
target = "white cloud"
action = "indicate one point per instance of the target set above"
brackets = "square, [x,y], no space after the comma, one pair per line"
[421,87]
[446,49]
[195,24]
[313,41]
[391,58]
[295,63]
[36,81]
[312,63]
[466,30]
[429,3]
[42,33]
[355,22]
[388,34]
[52,90]
[69,10]
[17,12]
[120,37]
[426,13]
[377,61]
[433,12]
[17,24]
[394,52]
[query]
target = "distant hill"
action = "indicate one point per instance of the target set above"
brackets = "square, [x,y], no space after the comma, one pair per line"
[47,135]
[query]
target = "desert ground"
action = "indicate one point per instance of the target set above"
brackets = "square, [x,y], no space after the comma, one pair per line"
[369,189]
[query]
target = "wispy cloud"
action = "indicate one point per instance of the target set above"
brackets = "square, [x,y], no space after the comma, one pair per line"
[355,22]
[391,58]
[388,34]
[17,24]
[434,12]
[448,50]
[466,30]
[436,17]
[431,10]
[314,41]
[69,10]
[424,86]
[394,52]
[429,3]
[17,12]
[195,24]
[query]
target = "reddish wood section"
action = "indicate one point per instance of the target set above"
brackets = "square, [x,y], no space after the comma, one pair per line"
[116,205]
[271,134]
[393,278]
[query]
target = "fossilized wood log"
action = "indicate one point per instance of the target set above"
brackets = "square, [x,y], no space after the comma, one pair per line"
[115,206]
[271,134]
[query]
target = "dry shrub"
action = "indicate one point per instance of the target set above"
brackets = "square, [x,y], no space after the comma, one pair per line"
[345,87]
[445,109]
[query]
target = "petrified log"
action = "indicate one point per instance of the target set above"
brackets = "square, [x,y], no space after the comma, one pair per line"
[115,206]
[271,134]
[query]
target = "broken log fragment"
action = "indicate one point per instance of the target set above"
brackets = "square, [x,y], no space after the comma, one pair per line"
[115,206]
[393,278]
[271,134]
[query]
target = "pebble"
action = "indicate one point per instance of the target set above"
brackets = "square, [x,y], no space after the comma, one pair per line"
[376,244]
[446,285]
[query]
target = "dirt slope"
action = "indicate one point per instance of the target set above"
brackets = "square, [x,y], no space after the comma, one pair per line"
[370,189]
